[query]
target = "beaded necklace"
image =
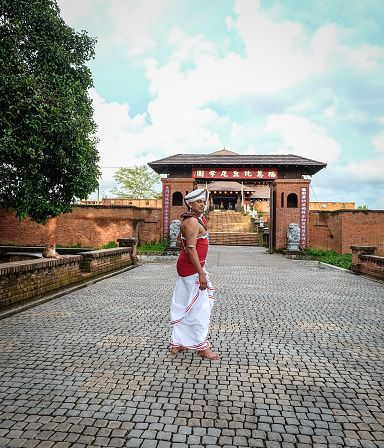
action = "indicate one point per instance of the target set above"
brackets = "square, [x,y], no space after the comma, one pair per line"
[190,214]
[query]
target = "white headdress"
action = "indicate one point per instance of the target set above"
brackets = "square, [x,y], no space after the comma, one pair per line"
[195,195]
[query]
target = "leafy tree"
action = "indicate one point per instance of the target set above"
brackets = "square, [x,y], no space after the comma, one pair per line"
[48,154]
[362,207]
[138,182]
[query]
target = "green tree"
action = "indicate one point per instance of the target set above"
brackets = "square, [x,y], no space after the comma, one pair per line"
[139,182]
[48,154]
[362,207]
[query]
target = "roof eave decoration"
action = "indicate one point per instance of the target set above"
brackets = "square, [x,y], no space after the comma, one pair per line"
[307,166]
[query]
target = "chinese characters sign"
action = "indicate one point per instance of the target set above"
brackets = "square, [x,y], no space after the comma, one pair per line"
[304,217]
[166,209]
[234,173]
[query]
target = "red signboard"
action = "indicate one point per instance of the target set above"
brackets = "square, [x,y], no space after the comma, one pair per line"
[304,203]
[234,173]
[166,209]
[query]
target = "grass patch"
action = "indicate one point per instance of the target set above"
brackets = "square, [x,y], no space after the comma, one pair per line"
[109,245]
[74,246]
[328,256]
[154,246]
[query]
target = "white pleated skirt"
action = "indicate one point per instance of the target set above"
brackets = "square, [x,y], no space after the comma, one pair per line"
[190,312]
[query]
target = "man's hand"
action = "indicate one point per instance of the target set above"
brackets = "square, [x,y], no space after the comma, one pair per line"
[203,282]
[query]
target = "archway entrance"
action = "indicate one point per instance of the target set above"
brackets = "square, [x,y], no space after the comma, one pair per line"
[224,201]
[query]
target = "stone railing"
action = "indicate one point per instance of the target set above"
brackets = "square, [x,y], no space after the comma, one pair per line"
[27,280]
[365,262]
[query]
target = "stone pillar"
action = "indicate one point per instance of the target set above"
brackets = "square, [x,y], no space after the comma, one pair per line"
[356,252]
[129,242]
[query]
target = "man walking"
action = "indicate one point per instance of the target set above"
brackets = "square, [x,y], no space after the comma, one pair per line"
[193,295]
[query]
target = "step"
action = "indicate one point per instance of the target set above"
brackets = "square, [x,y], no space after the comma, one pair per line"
[230,228]
[228,221]
[234,239]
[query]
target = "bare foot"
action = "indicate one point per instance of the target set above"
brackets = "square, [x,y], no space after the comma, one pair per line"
[208,353]
[177,349]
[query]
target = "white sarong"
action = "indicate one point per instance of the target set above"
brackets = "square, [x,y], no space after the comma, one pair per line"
[190,312]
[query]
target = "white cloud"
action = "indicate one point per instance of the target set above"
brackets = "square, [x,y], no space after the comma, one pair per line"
[165,129]
[304,138]
[378,141]
[367,171]
[278,54]
[119,134]
[366,56]
[74,10]
[370,170]
[190,48]
[131,22]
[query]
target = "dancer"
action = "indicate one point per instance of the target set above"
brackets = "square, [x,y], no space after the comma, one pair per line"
[193,295]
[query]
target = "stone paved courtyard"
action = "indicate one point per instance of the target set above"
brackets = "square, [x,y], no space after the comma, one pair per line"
[302,362]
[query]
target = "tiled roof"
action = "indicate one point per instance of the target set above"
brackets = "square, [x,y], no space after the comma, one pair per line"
[262,192]
[237,160]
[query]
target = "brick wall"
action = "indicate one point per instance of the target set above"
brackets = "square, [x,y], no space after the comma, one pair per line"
[325,230]
[94,226]
[339,230]
[153,203]
[91,226]
[27,280]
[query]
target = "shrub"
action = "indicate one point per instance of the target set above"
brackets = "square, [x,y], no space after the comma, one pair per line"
[342,261]
[154,246]
[331,257]
[109,245]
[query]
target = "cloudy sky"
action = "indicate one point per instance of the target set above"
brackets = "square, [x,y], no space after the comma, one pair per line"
[254,76]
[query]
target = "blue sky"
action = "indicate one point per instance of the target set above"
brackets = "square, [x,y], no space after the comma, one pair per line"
[254,76]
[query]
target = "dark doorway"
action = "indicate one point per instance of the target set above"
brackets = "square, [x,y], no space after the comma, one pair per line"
[224,202]
[292,200]
[177,199]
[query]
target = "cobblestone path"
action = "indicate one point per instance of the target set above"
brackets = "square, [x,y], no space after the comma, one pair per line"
[302,364]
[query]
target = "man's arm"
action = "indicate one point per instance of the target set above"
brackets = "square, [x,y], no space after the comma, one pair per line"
[190,231]
[178,240]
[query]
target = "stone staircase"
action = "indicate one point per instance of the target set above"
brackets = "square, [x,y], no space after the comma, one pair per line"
[230,228]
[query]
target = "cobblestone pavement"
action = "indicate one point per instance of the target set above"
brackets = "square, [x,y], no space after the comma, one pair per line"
[302,364]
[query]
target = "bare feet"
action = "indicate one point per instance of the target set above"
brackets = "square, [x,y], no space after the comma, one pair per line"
[208,353]
[177,349]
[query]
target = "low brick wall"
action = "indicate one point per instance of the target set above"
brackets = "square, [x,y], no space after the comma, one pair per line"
[365,262]
[26,280]
[101,261]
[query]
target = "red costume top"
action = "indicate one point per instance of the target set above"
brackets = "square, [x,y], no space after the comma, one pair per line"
[184,265]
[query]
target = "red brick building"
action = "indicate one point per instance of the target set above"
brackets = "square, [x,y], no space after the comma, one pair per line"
[235,179]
